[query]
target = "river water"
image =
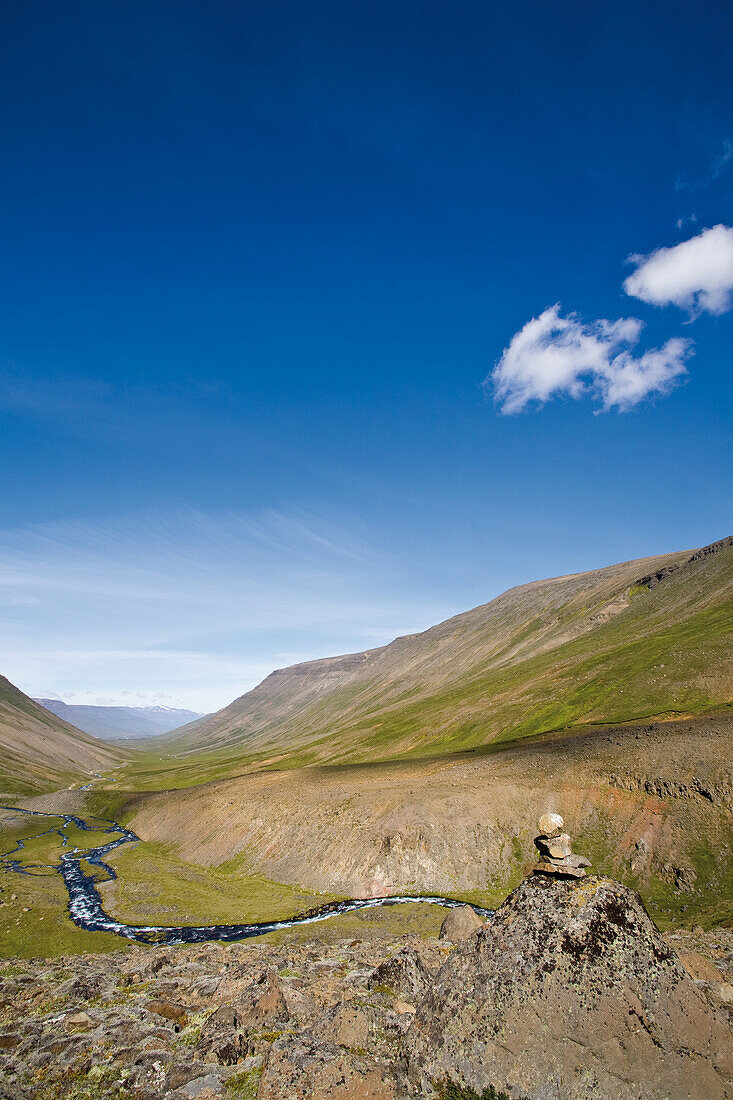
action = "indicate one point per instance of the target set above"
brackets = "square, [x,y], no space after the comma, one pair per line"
[85,904]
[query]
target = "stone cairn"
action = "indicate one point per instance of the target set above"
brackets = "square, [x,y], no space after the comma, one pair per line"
[556,854]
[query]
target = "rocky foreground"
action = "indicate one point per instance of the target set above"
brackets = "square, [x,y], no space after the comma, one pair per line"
[569,992]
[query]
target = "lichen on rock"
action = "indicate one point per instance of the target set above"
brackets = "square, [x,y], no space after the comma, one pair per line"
[570,991]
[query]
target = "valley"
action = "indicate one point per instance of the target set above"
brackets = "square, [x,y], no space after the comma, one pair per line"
[421,768]
[366,564]
[256,902]
[118,723]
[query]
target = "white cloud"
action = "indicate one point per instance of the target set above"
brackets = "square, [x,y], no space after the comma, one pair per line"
[554,355]
[696,275]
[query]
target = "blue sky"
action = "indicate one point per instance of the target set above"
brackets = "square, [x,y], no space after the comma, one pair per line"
[309,321]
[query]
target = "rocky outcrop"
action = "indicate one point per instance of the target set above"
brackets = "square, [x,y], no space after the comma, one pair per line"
[233,1030]
[206,1021]
[651,580]
[713,548]
[570,992]
[716,793]
[571,982]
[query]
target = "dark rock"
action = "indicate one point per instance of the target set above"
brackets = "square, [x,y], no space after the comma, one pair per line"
[87,987]
[124,1056]
[225,1035]
[227,1048]
[146,1075]
[570,992]
[651,580]
[182,1072]
[685,878]
[204,987]
[223,1019]
[152,964]
[713,548]
[263,1001]
[205,1087]
[10,1092]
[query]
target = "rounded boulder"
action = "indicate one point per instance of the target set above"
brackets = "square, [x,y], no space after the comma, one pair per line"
[459,924]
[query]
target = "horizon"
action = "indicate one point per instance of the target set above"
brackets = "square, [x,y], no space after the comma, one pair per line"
[78,702]
[311,340]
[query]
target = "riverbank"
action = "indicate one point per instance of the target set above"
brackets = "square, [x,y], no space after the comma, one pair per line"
[78,851]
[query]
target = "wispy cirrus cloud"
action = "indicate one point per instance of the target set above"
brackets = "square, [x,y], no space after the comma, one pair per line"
[555,355]
[696,275]
[717,164]
[192,608]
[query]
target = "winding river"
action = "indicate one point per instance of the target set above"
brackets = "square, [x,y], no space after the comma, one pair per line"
[85,904]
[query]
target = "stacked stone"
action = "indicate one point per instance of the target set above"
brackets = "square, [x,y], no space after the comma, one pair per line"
[556,853]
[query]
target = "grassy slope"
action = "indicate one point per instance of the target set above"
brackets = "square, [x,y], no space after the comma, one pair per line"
[40,751]
[593,648]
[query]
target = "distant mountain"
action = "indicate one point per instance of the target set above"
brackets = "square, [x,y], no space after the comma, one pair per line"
[114,723]
[39,751]
[646,638]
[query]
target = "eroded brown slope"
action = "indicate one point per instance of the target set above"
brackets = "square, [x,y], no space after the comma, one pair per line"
[39,751]
[650,804]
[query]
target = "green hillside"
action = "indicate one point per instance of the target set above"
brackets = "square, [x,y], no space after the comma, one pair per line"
[649,638]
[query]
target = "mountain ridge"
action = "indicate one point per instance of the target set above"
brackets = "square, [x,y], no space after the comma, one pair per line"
[502,669]
[120,722]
